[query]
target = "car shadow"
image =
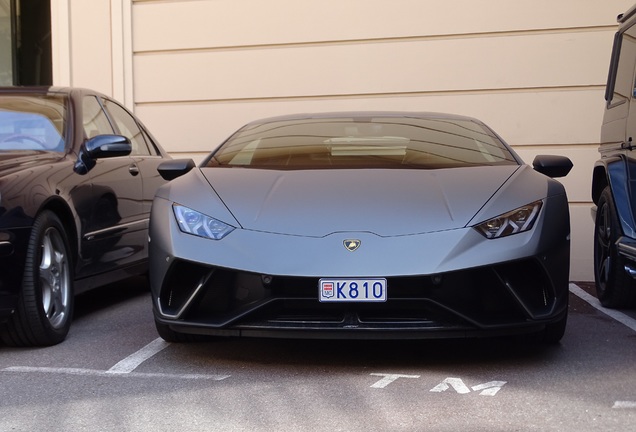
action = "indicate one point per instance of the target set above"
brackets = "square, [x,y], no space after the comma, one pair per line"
[110,295]
[342,355]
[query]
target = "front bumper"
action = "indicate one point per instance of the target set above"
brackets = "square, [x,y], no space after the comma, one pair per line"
[509,298]
[442,284]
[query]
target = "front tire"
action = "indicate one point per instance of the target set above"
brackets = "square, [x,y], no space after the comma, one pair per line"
[614,287]
[45,304]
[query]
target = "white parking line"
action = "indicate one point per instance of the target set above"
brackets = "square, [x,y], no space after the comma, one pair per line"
[93,372]
[624,405]
[131,362]
[122,368]
[618,316]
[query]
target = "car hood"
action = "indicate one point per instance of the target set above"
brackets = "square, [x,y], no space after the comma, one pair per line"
[386,202]
[11,161]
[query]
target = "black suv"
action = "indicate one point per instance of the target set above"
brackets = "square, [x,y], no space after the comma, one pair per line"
[614,178]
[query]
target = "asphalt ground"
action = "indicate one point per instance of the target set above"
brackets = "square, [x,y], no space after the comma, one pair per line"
[113,373]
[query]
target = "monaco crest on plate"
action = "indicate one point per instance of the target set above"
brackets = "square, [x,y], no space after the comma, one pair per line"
[327,289]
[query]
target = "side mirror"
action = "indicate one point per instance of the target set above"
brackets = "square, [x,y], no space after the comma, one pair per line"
[552,166]
[171,169]
[105,146]
[100,147]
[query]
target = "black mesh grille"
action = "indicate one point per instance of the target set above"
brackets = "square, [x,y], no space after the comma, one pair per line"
[488,296]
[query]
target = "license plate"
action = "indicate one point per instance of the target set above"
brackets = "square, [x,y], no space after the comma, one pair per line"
[352,290]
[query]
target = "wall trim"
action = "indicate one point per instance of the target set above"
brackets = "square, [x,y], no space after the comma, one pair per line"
[61,42]
[122,52]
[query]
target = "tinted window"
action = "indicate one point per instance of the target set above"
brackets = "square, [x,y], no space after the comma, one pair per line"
[152,147]
[94,118]
[621,81]
[32,122]
[383,142]
[128,127]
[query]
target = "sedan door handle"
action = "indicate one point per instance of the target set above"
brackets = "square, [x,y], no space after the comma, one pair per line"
[133,170]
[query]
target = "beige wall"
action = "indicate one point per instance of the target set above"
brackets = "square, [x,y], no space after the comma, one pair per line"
[92,46]
[194,71]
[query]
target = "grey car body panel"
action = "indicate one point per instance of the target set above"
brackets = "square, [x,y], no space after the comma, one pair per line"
[269,253]
[433,245]
[410,223]
[310,203]
[439,199]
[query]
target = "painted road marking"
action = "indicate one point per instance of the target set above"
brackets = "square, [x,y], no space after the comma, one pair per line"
[389,378]
[456,383]
[93,372]
[131,362]
[490,388]
[618,316]
[487,389]
[624,405]
[123,368]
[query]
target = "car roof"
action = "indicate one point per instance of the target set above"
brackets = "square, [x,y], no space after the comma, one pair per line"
[360,115]
[46,90]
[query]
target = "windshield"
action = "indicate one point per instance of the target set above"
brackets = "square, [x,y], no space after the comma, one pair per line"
[32,122]
[378,142]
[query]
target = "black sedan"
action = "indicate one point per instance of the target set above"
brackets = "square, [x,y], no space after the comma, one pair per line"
[78,173]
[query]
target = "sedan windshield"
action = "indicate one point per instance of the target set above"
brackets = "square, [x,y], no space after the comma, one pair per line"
[364,142]
[32,122]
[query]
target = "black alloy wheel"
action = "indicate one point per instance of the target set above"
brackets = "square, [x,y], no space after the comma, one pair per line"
[614,286]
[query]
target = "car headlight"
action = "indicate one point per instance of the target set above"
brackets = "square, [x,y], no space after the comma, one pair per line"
[198,224]
[514,222]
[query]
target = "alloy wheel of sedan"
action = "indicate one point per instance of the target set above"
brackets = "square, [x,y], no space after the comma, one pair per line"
[45,307]
[55,279]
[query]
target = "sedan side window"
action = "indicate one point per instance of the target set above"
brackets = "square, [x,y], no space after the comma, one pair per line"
[128,127]
[94,118]
[152,146]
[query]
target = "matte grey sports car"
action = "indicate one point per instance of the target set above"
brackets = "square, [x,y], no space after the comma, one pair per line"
[361,225]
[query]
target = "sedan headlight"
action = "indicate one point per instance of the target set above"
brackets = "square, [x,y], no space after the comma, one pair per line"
[514,222]
[198,224]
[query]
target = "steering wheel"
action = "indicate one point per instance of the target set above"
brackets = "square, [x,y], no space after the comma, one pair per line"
[18,137]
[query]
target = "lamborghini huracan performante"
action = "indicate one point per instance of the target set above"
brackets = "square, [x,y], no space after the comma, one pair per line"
[361,225]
